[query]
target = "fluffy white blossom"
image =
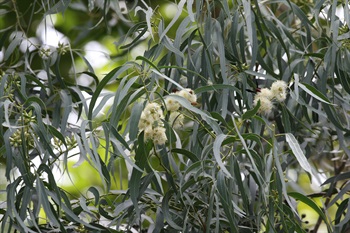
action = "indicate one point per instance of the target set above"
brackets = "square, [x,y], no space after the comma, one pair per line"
[279,90]
[153,112]
[144,122]
[150,116]
[266,105]
[265,96]
[151,123]
[264,93]
[171,104]
[148,133]
[188,94]
[159,136]
[176,120]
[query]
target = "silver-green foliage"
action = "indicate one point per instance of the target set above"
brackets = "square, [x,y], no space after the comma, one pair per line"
[226,169]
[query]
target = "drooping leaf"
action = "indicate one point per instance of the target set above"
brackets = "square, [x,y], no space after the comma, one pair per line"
[314,93]
[298,153]
[217,154]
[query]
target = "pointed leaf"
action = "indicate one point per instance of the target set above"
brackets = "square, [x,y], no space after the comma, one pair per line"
[216,149]
[299,154]
[314,93]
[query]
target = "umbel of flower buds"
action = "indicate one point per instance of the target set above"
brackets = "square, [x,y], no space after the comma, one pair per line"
[173,105]
[277,92]
[152,117]
[176,119]
[152,125]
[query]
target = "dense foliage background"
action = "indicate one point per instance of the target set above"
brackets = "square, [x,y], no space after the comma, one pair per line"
[147,116]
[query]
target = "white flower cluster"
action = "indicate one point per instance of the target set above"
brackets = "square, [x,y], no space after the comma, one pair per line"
[278,92]
[152,117]
[173,105]
[176,118]
[152,125]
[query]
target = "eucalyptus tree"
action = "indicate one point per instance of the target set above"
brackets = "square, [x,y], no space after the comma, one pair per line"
[200,116]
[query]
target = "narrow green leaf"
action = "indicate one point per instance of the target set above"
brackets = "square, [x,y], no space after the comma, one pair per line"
[99,88]
[11,206]
[294,145]
[96,194]
[120,149]
[84,205]
[180,6]
[138,37]
[11,48]
[187,153]
[251,112]
[312,205]
[167,78]
[225,199]
[217,154]
[104,173]
[149,13]
[333,117]
[141,155]
[159,225]
[43,199]
[122,207]
[56,134]
[340,195]
[134,120]
[189,10]
[334,179]
[102,104]
[281,184]
[340,220]
[286,120]
[119,108]
[166,211]
[216,87]
[240,184]
[69,213]
[25,194]
[116,134]
[314,93]
[59,7]
[51,178]
[211,210]
[259,177]
[92,75]
[219,118]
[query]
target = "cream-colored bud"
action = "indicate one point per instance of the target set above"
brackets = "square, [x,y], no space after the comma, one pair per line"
[159,136]
[171,104]
[144,122]
[154,110]
[148,133]
[188,94]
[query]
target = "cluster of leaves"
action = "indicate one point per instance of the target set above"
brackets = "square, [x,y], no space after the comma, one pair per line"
[228,168]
